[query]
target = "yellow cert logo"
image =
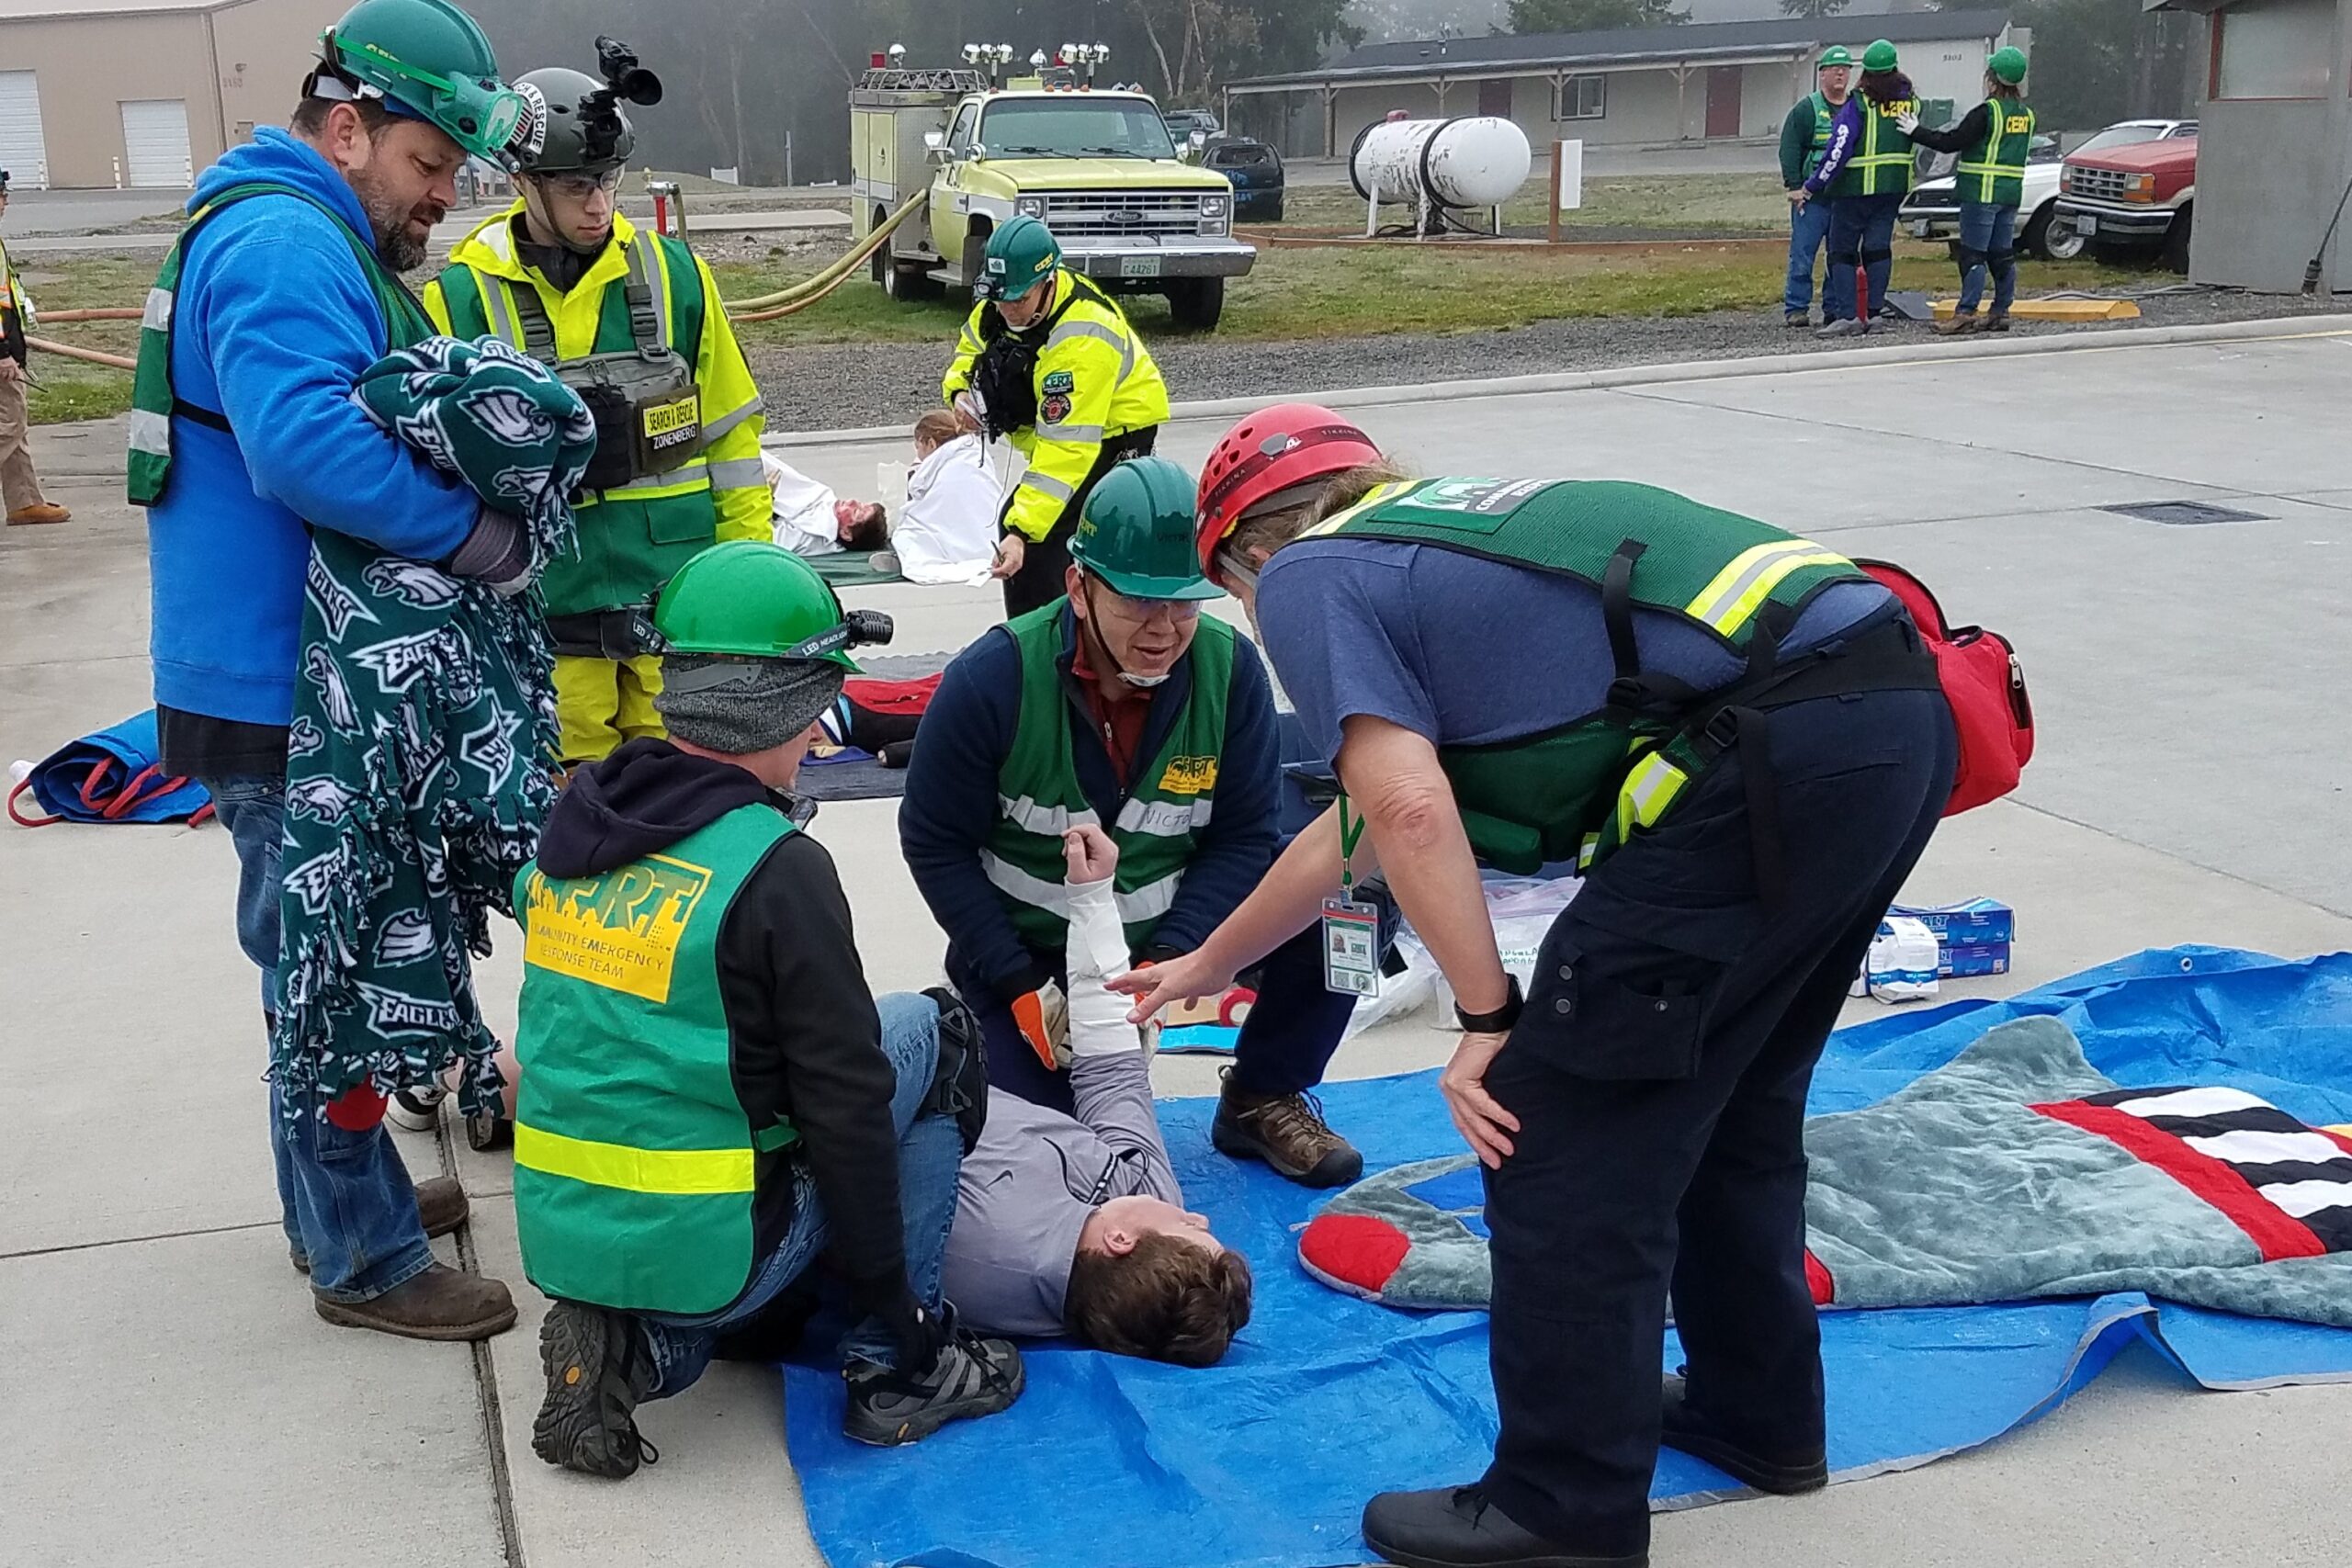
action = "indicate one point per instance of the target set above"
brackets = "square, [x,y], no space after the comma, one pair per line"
[1188,776]
[619,931]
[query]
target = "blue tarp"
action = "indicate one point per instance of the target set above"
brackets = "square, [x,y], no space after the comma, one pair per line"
[1265,1460]
[113,776]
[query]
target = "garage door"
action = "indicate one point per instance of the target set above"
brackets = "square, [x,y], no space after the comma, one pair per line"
[154,142]
[22,152]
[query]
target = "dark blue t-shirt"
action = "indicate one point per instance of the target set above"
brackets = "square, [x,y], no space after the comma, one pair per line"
[1463,650]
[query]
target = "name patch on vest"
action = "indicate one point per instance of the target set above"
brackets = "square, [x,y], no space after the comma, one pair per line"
[1188,776]
[674,424]
[1487,501]
[619,931]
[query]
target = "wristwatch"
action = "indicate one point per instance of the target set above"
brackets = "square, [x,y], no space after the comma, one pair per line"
[1497,1021]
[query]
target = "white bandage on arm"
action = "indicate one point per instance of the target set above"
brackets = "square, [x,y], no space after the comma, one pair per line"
[1097,951]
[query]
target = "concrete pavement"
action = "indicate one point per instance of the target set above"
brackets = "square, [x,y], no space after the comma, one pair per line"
[178,1402]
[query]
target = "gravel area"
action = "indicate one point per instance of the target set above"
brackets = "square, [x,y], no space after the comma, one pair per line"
[862,384]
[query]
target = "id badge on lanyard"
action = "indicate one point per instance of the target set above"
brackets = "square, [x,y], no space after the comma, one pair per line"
[1350,929]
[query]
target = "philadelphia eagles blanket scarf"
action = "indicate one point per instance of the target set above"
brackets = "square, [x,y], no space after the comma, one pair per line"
[420,760]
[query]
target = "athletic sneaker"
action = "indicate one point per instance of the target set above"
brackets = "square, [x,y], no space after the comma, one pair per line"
[416,1110]
[972,1377]
[1846,328]
[598,1369]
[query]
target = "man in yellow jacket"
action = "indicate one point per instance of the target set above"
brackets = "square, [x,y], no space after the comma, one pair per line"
[1048,360]
[634,323]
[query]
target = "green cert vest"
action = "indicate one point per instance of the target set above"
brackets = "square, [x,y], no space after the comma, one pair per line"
[1038,798]
[1882,164]
[634,538]
[637,1170]
[1992,172]
[1824,120]
[153,405]
[1579,791]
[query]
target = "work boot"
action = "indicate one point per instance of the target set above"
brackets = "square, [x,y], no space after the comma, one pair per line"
[1457,1527]
[440,1303]
[1796,319]
[599,1370]
[1286,1131]
[972,1377]
[38,511]
[1960,325]
[440,1204]
[1847,328]
[1785,1472]
[1998,321]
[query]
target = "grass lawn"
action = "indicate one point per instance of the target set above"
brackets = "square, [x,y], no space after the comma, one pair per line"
[1291,294]
[1335,293]
[1671,203]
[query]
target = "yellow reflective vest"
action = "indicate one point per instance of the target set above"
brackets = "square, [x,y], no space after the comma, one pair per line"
[1095,379]
[721,494]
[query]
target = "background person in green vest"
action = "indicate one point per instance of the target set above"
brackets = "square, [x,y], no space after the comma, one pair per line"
[678,435]
[1804,139]
[1992,139]
[1865,173]
[711,1096]
[246,438]
[1475,656]
[1123,705]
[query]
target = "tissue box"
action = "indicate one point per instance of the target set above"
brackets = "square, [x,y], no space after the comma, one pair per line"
[1973,938]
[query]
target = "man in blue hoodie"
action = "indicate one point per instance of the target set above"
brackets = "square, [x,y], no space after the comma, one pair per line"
[279,294]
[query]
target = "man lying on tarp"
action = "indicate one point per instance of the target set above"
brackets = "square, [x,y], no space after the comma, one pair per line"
[1073,1223]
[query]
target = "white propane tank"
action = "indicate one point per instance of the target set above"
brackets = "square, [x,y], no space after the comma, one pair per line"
[1451,163]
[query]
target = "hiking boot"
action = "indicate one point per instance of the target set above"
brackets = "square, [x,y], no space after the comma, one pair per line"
[1795,318]
[1784,1472]
[440,1303]
[599,1370]
[416,1110]
[440,1204]
[1997,322]
[1848,328]
[1961,326]
[39,512]
[972,1377]
[1286,1131]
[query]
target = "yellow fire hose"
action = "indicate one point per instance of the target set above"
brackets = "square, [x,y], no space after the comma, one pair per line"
[762,308]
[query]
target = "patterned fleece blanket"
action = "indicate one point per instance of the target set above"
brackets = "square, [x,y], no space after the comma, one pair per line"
[2017,1170]
[420,758]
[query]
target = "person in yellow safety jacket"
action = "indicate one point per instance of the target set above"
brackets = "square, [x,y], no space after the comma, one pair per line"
[19,486]
[1049,360]
[634,323]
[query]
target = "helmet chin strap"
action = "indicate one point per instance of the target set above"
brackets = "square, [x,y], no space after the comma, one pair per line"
[1103,647]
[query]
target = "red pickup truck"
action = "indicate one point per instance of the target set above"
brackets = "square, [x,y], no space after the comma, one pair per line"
[2134,199]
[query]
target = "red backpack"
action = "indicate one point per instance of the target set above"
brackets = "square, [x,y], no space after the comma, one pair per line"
[1985,686]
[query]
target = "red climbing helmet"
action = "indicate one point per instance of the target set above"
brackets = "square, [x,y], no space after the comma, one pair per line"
[1283,447]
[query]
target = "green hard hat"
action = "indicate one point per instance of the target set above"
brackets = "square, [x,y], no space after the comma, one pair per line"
[431,61]
[1017,259]
[750,598]
[1880,56]
[1835,54]
[559,96]
[1137,533]
[2007,64]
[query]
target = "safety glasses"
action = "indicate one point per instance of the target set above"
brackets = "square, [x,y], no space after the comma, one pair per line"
[581,185]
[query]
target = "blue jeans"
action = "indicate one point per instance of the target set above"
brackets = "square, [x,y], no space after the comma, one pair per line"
[1988,238]
[1808,232]
[931,1150]
[345,1197]
[1861,234]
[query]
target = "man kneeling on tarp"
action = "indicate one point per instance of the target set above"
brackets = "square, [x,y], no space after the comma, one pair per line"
[711,1096]
[1074,1223]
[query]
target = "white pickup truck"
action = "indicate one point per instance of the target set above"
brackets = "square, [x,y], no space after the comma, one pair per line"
[1932,209]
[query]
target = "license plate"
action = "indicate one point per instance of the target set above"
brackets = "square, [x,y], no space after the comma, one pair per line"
[1139,266]
[2085,223]
[674,422]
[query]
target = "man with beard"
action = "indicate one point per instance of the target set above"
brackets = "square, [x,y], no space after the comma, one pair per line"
[279,294]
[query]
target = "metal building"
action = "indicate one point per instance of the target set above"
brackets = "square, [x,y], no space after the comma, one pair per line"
[2274,148]
[101,93]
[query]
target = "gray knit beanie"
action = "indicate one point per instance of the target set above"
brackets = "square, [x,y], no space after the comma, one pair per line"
[737,707]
